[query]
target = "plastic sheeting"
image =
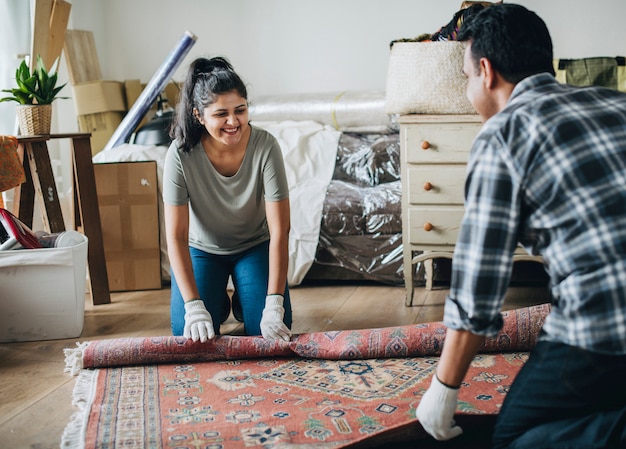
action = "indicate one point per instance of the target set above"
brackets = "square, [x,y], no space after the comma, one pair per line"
[354,210]
[361,225]
[368,160]
[349,111]
[362,218]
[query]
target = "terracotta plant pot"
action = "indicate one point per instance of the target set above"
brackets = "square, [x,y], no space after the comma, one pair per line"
[34,119]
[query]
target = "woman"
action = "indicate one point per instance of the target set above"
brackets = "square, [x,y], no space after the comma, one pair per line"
[226,210]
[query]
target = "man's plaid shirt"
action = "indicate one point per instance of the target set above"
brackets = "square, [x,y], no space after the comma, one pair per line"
[549,172]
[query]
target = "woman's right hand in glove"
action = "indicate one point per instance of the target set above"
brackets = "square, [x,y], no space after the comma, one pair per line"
[198,322]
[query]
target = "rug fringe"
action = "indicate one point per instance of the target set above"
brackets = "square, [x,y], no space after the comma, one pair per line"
[74,358]
[82,397]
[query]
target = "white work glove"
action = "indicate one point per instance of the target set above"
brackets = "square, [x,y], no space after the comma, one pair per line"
[435,411]
[272,325]
[198,322]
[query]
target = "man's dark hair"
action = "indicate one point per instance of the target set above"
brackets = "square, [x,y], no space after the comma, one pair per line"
[514,39]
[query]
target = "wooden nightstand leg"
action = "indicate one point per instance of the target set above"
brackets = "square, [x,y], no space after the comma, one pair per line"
[428,268]
[24,195]
[85,182]
[428,257]
[44,184]
[408,277]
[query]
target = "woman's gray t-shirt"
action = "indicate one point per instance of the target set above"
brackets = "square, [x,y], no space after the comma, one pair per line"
[226,213]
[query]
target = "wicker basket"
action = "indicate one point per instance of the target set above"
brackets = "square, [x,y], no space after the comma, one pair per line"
[34,119]
[427,78]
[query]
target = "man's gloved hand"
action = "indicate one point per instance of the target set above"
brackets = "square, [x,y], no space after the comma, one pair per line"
[272,325]
[198,322]
[435,411]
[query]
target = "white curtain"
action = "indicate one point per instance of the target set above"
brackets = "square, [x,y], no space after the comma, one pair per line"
[14,45]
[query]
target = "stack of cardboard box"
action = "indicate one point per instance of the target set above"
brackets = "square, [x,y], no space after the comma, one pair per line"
[100,105]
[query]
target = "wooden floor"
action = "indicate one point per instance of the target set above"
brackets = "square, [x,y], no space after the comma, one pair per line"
[35,392]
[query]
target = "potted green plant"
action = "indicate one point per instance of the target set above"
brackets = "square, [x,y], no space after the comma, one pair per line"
[34,94]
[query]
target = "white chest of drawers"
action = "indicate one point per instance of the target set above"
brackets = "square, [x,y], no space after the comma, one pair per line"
[434,154]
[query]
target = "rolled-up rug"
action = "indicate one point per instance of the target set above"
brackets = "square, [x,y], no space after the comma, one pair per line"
[519,333]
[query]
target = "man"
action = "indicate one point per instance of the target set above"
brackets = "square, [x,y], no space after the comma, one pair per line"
[548,170]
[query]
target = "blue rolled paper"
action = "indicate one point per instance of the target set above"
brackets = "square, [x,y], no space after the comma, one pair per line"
[149,95]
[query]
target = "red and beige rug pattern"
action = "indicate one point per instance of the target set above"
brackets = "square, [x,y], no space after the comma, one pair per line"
[321,390]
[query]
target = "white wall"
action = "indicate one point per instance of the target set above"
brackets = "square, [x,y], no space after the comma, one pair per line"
[292,46]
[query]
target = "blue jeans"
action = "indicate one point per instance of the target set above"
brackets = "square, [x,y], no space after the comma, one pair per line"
[565,397]
[249,270]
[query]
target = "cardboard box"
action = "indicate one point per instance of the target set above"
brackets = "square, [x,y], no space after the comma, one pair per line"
[42,293]
[99,96]
[129,214]
[133,89]
[172,91]
[102,105]
[101,126]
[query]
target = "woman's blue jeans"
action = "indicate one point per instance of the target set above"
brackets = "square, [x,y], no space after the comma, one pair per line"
[249,270]
[565,397]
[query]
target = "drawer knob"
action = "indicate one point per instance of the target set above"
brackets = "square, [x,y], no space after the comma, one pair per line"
[425,144]
[428,227]
[428,186]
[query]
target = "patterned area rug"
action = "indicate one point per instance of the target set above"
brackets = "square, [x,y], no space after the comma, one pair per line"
[322,390]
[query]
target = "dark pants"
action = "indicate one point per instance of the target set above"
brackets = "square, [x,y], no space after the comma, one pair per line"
[565,397]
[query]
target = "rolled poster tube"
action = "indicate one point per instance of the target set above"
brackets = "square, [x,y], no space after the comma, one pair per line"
[151,92]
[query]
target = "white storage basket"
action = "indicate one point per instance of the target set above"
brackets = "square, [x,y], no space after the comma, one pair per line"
[427,78]
[42,293]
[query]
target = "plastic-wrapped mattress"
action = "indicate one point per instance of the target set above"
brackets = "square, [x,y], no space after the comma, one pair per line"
[361,229]
[361,226]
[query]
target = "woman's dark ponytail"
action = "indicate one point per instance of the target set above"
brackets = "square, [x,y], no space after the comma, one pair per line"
[205,80]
